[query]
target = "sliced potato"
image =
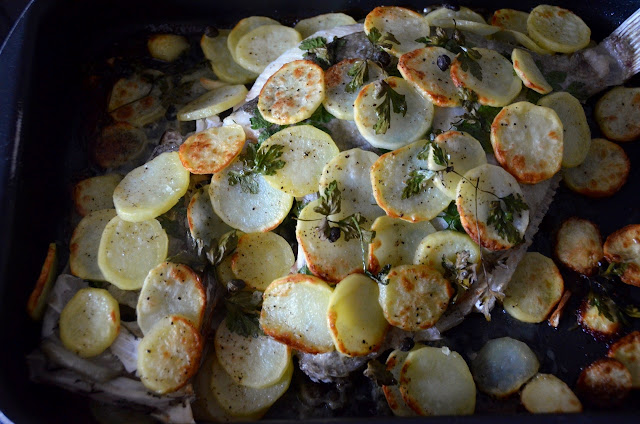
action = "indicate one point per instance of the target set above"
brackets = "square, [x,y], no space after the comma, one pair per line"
[261,258]
[627,351]
[404,24]
[294,312]
[594,321]
[528,72]
[503,365]
[224,66]
[118,144]
[475,194]
[245,26]
[128,90]
[95,193]
[511,19]
[213,102]
[463,153]
[169,355]
[309,26]
[224,271]
[355,317]
[618,114]
[89,322]
[48,274]
[415,297]
[500,86]
[167,47]
[437,381]
[395,361]
[403,129]
[547,394]
[579,245]
[151,189]
[129,250]
[293,93]
[212,150]
[558,29]
[435,248]
[605,383]
[474,27]
[141,112]
[463,13]
[622,247]
[602,173]
[306,150]
[517,37]
[528,141]
[85,243]
[205,226]
[534,290]
[264,44]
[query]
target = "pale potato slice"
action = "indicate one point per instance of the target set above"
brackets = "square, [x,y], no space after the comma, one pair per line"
[558,29]
[118,144]
[169,354]
[171,289]
[256,362]
[356,321]
[579,245]
[167,47]
[415,297]
[224,273]
[211,84]
[85,243]
[293,93]
[261,258]
[141,112]
[128,90]
[213,149]
[594,321]
[618,114]
[294,312]
[40,294]
[528,72]
[306,151]
[627,351]
[511,19]
[622,247]
[463,13]
[213,102]
[129,250]
[503,365]
[388,176]
[309,26]
[204,225]
[437,381]
[517,37]
[151,189]
[441,245]
[396,241]
[463,153]
[245,26]
[528,141]
[534,290]
[475,194]
[547,394]
[420,68]
[261,46]
[602,173]
[403,129]
[338,100]
[605,383]
[95,193]
[404,24]
[395,361]
[498,85]
[224,66]
[89,322]
[474,27]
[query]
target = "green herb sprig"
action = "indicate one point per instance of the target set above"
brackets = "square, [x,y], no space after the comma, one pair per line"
[466,55]
[359,73]
[243,313]
[382,40]
[317,47]
[256,160]
[319,117]
[390,99]
[502,214]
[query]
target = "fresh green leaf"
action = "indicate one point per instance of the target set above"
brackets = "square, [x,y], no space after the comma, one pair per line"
[502,213]
[305,270]
[382,40]
[329,200]
[243,312]
[313,43]
[256,160]
[318,47]
[351,228]
[468,63]
[417,182]
[381,277]
[223,247]
[320,116]
[452,218]
[603,303]
[359,73]
[390,99]
[614,269]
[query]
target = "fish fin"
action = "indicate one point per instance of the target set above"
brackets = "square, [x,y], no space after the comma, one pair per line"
[629,34]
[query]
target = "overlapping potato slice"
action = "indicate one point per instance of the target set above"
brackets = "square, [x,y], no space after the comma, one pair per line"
[213,102]
[510,19]
[293,93]
[602,173]
[355,317]
[437,381]
[224,273]
[546,394]
[622,247]
[141,112]
[256,362]
[403,128]
[118,144]
[89,322]
[446,245]
[305,150]
[129,250]
[476,193]
[40,293]
[595,322]
[245,26]
[95,193]
[579,245]
[627,351]
[128,90]
[396,241]
[404,24]
[534,290]
[85,243]
[264,44]
[294,312]
[463,153]
[604,383]
[528,141]
[528,72]
[151,189]
[171,289]
[213,149]
[618,114]
[204,225]
[415,297]
[261,258]
[224,66]
[420,68]
[309,26]
[339,99]
[498,85]
[169,354]
[558,29]
[462,13]
[516,37]
[388,178]
[479,28]
[167,47]
[395,361]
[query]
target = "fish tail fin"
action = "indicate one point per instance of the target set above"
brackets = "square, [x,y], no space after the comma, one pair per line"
[629,34]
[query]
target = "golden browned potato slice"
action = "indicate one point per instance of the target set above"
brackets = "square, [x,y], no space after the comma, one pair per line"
[167,47]
[435,248]
[415,297]
[118,144]
[395,361]
[594,321]
[627,351]
[528,141]
[141,112]
[212,150]
[245,26]
[38,298]
[128,90]
[528,72]
[309,26]
[603,172]
[85,243]
[224,66]
[546,394]
[261,46]
[579,245]
[511,19]
[618,114]
[95,193]
[404,24]
[605,383]
[558,29]
[622,247]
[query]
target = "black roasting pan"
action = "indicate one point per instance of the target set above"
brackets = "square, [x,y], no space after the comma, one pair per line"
[41,74]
